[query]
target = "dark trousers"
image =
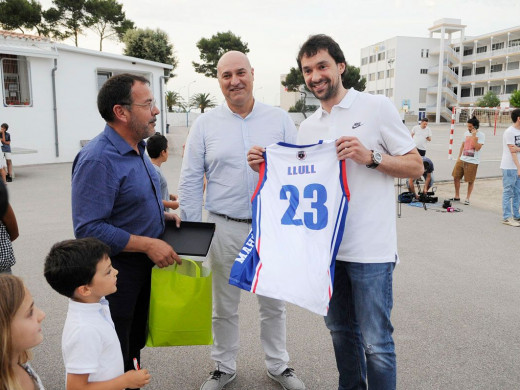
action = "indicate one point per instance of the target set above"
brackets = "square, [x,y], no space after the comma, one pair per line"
[129,304]
[422,152]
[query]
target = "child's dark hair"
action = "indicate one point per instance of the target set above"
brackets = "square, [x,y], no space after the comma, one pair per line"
[474,121]
[156,144]
[72,263]
[5,126]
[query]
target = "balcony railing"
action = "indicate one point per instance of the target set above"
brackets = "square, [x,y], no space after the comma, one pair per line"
[508,74]
[492,53]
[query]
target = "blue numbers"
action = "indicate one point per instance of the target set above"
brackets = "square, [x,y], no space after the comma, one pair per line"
[294,200]
[314,220]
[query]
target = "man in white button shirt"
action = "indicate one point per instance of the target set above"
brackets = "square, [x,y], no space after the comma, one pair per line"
[217,146]
[422,134]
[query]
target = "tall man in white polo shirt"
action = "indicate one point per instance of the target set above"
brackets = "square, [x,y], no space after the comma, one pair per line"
[217,146]
[510,166]
[377,147]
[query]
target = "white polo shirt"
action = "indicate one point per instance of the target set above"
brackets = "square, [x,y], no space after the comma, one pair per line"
[89,342]
[370,230]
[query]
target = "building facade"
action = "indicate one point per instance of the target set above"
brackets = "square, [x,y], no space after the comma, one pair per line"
[50,90]
[428,76]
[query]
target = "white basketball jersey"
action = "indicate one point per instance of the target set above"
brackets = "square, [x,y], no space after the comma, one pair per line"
[299,210]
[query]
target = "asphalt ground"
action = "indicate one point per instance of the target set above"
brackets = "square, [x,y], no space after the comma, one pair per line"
[456,290]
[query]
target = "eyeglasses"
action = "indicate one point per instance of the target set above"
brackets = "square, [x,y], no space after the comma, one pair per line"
[151,105]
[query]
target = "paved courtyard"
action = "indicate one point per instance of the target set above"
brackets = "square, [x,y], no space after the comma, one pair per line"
[457,290]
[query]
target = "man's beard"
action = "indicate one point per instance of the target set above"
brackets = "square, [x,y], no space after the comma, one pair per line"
[330,92]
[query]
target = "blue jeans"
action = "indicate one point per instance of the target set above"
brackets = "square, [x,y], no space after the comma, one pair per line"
[511,194]
[359,322]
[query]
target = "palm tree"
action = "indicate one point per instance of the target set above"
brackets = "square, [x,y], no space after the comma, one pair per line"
[202,101]
[174,99]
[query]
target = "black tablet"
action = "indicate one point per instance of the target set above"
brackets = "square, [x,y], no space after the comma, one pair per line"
[192,238]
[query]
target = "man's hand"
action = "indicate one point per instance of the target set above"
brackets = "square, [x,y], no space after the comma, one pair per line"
[161,253]
[255,157]
[351,147]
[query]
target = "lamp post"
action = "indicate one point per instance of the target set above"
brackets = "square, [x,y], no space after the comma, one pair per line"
[188,108]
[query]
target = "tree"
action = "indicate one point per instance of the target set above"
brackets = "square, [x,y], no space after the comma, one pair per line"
[73,18]
[152,45]
[107,19]
[174,99]
[352,78]
[490,99]
[202,101]
[20,14]
[212,49]
[514,100]
[298,107]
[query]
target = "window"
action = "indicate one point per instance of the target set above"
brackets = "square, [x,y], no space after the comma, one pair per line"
[511,88]
[425,53]
[390,92]
[478,91]
[497,46]
[482,49]
[496,68]
[424,71]
[381,75]
[372,59]
[457,49]
[102,77]
[16,80]
[390,73]
[480,70]
[381,56]
[466,72]
[468,52]
[380,92]
[364,60]
[496,89]
[422,95]
[514,42]
[371,77]
[513,65]
[465,92]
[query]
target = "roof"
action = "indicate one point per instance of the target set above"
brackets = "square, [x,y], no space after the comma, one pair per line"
[26,45]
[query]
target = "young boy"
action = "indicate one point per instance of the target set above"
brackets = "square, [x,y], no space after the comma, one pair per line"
[6,149]
[82,271]
[157,148]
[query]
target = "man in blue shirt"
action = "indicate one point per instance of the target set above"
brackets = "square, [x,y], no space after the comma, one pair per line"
[217,146]
[116,198]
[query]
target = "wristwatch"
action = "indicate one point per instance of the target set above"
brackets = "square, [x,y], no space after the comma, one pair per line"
[376,159]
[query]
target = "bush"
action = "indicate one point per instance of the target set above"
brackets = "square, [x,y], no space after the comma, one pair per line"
[514,100]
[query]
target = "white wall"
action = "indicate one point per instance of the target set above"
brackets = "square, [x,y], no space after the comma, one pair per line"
[78,117]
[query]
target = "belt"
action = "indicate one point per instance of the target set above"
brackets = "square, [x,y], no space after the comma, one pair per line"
[234,219]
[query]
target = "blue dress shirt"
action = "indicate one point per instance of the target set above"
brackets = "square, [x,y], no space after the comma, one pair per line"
[115,192]
[217,146]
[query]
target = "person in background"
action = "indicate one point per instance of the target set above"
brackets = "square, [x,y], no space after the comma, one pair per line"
[468,159]
[6,149]
[421,135]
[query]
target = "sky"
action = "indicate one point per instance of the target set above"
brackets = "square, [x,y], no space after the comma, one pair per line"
[275,30]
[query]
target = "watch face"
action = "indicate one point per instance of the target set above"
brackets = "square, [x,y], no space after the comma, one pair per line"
[377,157]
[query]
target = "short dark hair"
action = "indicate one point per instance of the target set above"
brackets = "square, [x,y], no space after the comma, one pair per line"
[72,263]
[117,90]
[424,119]
[515,114]
[318,42]
[474,121]
[156,144]
[5,126]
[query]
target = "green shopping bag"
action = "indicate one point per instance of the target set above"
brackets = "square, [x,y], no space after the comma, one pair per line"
[180,305]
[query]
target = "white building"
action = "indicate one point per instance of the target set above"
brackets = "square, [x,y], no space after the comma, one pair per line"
[428,76]
[289,99]
[49,94]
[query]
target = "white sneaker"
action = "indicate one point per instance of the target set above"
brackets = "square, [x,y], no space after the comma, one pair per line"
[288,380]
[511,222]
[217,380]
